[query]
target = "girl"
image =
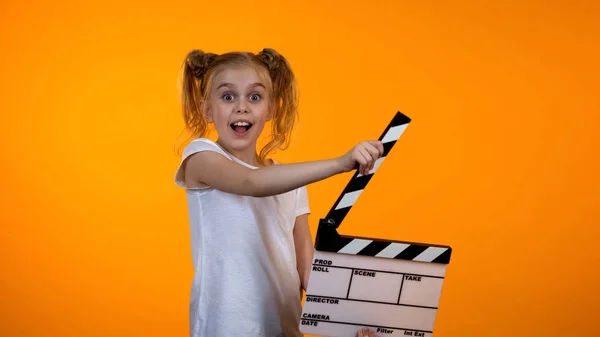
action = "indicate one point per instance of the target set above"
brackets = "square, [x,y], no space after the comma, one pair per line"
[251,243]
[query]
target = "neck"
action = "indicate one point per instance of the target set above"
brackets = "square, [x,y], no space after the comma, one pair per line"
[247,155]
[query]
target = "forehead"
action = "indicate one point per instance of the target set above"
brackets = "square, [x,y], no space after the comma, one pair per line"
[241,77]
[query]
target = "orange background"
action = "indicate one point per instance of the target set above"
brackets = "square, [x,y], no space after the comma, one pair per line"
[501,161]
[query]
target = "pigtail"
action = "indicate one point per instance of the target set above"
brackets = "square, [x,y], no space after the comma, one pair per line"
[193,87]
[284,100]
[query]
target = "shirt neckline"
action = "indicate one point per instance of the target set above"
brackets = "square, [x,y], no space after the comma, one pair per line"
[232,156]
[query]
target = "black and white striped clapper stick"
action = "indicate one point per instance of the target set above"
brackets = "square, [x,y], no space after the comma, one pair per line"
[329,240]
[358,182]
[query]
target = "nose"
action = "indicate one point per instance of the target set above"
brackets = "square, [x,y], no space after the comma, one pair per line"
[242,107]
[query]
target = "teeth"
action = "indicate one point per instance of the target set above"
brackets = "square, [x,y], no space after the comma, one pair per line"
[241,123]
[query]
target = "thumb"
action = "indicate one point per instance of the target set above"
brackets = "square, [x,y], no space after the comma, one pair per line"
[378,145]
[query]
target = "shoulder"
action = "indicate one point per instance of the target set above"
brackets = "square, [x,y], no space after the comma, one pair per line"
[200,144]
[196,146]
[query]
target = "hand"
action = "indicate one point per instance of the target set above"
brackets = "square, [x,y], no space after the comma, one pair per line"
[366,333]
[364,155]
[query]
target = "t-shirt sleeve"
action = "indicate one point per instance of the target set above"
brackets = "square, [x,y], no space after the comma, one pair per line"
[195,146]
[302,205]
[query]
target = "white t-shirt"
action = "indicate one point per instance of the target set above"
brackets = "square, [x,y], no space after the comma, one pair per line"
[245,277]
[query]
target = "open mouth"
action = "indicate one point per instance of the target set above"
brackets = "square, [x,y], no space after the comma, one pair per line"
[241,127]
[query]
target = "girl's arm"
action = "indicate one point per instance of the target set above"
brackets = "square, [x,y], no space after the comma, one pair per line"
[213,169]
[304,249]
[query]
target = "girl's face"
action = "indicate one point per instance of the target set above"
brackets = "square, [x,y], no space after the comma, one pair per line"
[238,106]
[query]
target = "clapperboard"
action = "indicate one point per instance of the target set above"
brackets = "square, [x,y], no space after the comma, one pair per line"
[393,287]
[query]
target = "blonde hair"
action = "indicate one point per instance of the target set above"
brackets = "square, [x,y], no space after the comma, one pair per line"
[199,71]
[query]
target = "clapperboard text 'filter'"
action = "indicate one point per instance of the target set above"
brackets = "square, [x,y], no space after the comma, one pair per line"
[393,287]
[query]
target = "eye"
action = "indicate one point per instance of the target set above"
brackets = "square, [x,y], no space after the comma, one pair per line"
[227,97]
[255,97]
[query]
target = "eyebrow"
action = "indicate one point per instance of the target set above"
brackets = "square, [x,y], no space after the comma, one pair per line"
[233,86]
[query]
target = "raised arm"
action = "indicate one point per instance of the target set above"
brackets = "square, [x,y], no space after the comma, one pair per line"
[213,169]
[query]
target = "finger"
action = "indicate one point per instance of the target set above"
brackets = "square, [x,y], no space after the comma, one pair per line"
[372,333]
[375,153]
[360,333]
[361,159]
[368,157]
[378,145]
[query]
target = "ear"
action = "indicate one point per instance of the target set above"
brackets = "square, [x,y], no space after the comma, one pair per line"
[207,113]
